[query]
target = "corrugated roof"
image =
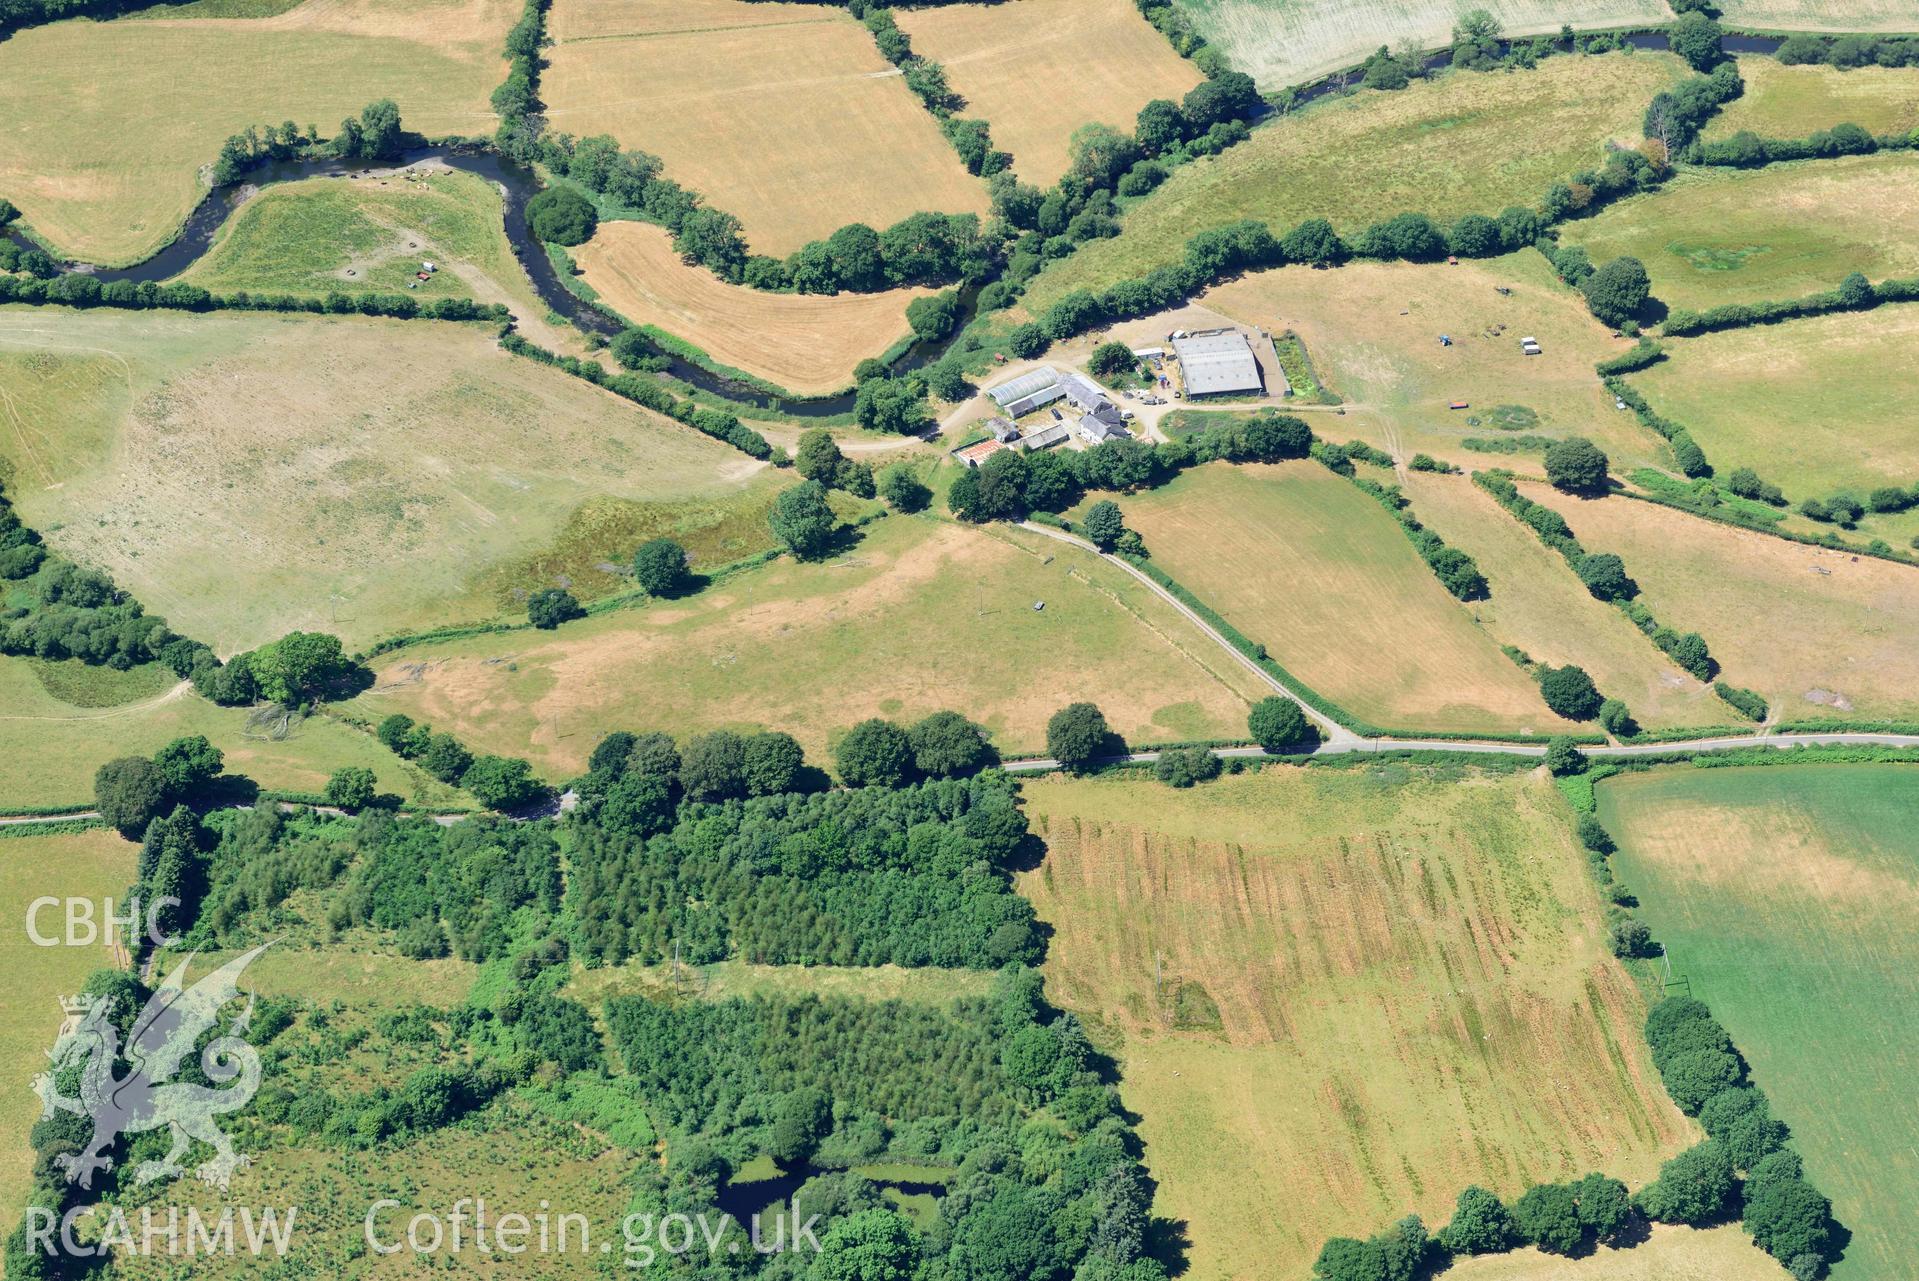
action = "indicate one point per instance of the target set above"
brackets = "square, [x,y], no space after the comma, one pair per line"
[1023,386]
[1221,361]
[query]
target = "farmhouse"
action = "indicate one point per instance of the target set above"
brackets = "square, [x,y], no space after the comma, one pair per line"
[1217,362]
[1020,396]
[1098,429]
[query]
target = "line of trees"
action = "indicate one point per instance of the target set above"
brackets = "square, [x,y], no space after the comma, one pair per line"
[503,783]
[1011,484]
[1687,649]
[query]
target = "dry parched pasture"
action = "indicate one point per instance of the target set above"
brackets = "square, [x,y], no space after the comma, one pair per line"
[918,617]
[1306,564]
[806,343]
[1818,633]
[1029,67]
[1339,997]
[1724,1253]
[109,124]
[368,476]
[783,115]
[1824,15]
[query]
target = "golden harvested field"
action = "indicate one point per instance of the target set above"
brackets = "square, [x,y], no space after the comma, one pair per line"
[1792,102]
[1730,235]
[374,476]
[783,115]
[1287,42]
[1823,15]
[1035,70]
[54,747]
[806,343]
[1723,1253]
[1539,605]
[1305,563]
[1457,144]
[921,615]
[1816,632]
[1374,988]
[1815,406]
[1400,379]
[92,865]
[723,980]
[109,124]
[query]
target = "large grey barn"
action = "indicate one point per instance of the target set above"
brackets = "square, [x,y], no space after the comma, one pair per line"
[1217,362]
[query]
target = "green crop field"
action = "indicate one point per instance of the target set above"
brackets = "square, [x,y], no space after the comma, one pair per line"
[1792,102]
[1815,406]
[920,616]
[110,123]
[1788,897]
[1444,147]
[54,746]
[374,476]
[1736,235]
[86,865]
[1339,997]
[1307,565]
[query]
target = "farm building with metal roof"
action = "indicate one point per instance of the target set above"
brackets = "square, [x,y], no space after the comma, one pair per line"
[1020,396]
[1217,362]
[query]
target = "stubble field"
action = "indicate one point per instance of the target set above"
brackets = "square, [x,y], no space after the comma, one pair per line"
[1304,563]
[109,124]
[783,115]
[1818,633]
[1026,68]
[372,476]
[1788,897]
[1444,147]
[806,343]
[1339,997]
[920,616]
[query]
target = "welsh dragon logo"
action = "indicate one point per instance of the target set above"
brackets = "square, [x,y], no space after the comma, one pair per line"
[148,1097]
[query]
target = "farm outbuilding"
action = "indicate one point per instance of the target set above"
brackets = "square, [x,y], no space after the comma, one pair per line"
[1020,396]
[1045,438]
[975,454]
[1217,362]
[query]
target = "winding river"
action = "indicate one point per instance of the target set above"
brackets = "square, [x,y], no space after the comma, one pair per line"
[518,183]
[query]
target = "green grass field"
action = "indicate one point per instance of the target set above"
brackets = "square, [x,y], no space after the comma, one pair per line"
[371,476]
[1789,898]
[1792,102]
[1282,42]
[110,123]
[1445,147]
[89,865]
[1337,997]
[1744,235]
[1309,566]
[920,615]
[370,235]
[1815,406]
[54,747]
